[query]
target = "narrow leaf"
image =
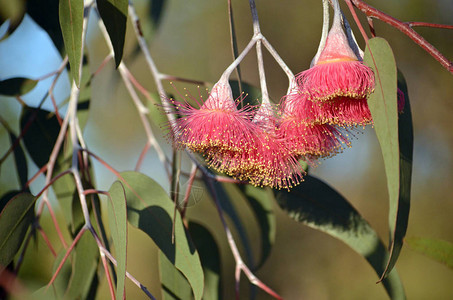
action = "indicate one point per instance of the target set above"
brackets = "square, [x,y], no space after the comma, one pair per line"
[156,10]
[317,205]
[234,44]
[260,201]
[150,209]
[15,218]
[174,284]
[83,103]
[71,22]
[225,193]
[114,16]
[210,260]
[45,14]
[17,86]
[156,114]
[439,250]
[398,162]
[64,187]
[20,161]
[84,266]
[4,199]
[41,134]
[118,228]
[250,94]
[61,283]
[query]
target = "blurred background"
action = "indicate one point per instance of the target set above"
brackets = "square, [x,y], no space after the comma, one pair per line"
[192,41]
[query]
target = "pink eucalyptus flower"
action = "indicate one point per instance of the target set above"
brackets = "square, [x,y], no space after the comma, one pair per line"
[275,165]
[217,124]
[340,111]
[338,82]
[307,136]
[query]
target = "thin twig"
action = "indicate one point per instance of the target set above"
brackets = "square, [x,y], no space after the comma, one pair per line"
[76,239]
[431,25]
[109,278]
[193,174]
[405,28]
[240,265]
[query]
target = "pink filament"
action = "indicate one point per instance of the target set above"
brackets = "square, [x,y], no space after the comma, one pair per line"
[330,80]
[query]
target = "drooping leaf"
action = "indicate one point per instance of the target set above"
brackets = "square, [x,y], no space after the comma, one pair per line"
[210,260]
[83,108]
[71,22]
[83,103]
[150,209]
[84,265]
[174,285]
[19,160]
[45,14]
[114,16]
[4,199]
[250,94]
[13,12]
[260,201]
[317,205]
[155,10]
[78,220]
[234,45]
[15,219]
[150,22]
[226,192]
[118,228]
[397,158]
[64,188]
[99,227]
[438,250]
[17,86]
[61,283]
[41,135]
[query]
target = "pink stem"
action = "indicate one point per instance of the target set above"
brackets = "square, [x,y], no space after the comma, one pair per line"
[77,238]
[406,29]
[47,241]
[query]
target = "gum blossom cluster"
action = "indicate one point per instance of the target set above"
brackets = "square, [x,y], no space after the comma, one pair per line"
[263,145]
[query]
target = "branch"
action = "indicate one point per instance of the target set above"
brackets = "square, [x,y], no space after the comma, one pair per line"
[406,28]
[425,24]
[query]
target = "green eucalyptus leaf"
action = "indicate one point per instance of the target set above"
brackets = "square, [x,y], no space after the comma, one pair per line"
[396,146]
[260,201]
[317,205]
[83,103]
[156,112]
[250,94]
[118,228]
[210,260]
[42,129]
[45,14]
[15,219]
[61,283]
[78,220]
[71,22]
[225,194]
[150,209]
[156,10]
[17,86]
[174,284]
[114,16]
[438,250]
[84,265]
[4,199]
[234,45]
[12,11]
[19,160]
[64,188]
